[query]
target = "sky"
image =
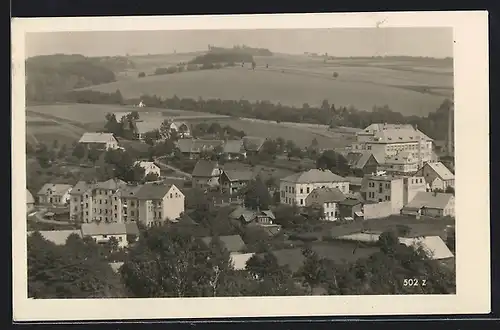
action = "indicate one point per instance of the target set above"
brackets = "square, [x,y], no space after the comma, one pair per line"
[431,42]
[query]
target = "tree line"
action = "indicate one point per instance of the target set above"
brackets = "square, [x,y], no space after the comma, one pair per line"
[434,124]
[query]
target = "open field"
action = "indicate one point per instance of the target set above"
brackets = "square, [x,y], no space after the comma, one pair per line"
[67,122]
[410,87]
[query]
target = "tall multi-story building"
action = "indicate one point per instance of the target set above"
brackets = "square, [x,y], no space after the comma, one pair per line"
[387,140]
[116,201]
[295,188]
[398,190]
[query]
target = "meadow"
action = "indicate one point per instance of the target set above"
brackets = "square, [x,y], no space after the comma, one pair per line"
[408,86]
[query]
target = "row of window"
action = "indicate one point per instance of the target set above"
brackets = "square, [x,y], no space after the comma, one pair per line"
[371,194]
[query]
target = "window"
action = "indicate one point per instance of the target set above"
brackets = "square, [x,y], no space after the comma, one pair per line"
[100,211]
[331,214]
[105,236]
[176,195]
[301,190]
[100,201]
[86,212]
[106,219]
[86,196]
[105,201]
[171,195]
[116,198]
[132,203]
[301,201]
[369,147]
[87,205]
[307,190]
[132,213]
[159,215]
[116,215]
[116,207]
[106,211]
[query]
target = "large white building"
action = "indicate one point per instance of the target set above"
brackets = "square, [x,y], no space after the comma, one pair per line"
[398,190]
[295,188]
[103,141]
[388,140]
[116,201]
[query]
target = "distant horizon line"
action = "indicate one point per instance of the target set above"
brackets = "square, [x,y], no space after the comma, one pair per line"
[280,53]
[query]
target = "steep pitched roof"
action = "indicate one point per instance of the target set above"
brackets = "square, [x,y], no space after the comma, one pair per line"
[239,175]
[314,176]
[240,260]
[56,189]
[93,137]
[233,243]
[441,170]
[153,191]
[240,211]
[433,246]
[326,195]
[359,159]
[29,197]
[142,127]
[234,147]
[93,229]
[111,184]
[253,143]
[430,200]
[80,188]
[204,168]
[129,190]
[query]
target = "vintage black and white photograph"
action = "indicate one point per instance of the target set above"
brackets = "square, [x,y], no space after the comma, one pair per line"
[222,163]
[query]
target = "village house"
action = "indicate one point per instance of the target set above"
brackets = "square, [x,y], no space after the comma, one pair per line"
[350,209]
[101,233]
[206,174]
[183,130]
[149,167]
[232,243]
[253,144]
[387,140]
[192,148]
[234,150]
[30,201]
[327,199]
[403,163]
[437,176]
[295,188]
[159,203]
[396,191]
[116,201]
[362,162]
[232,181]
[262,218]
[431,204]
[54,193]
[101,141]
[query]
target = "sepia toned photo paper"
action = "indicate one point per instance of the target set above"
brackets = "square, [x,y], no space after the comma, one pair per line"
[197,167]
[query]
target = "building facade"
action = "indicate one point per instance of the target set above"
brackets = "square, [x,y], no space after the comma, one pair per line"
[327,199]
[149,167]
[102,141]
[295,188]
[115,201]
[437,176]
[206,174]
[54,194]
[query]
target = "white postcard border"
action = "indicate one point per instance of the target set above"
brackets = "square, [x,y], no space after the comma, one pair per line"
[472,177]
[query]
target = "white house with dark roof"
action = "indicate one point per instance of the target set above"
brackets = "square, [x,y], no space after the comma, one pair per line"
[437,176]
[431,204]
[103,141]
[232,181]
[149,167]
[388,140]
[234,149]
[295,188]
[206,174]
[327,199]
[159,203]
[402,163]
[102,232]
[54,193]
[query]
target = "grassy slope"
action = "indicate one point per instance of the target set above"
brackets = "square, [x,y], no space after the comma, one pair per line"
[362,83]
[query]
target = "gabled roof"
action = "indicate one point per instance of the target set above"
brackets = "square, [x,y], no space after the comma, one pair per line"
[129,190]
[93,229]
[401,158]
[233,243]
[253,143]
[56,189]
[58,237]
[132,229]
[359,159]
[198,145]
[249,215]
[150,191]
[234,147]
[325,195]
[240,260]
[115,266]
[314,176]
[430,200]
[93,137]
[29,197]
[433,246]
[111,184]
[204,168]
[239,175]
[394,133]
[80,188]
[142,127]
[441,170]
